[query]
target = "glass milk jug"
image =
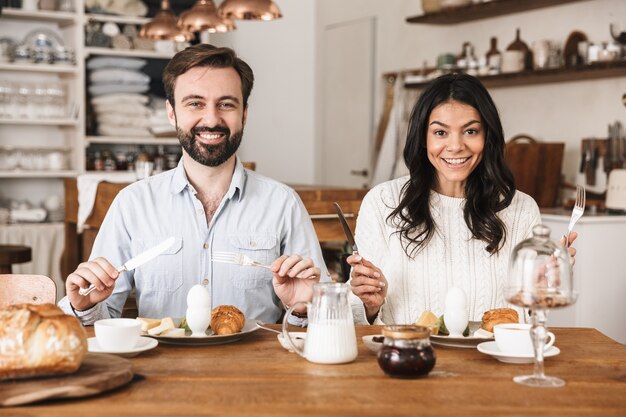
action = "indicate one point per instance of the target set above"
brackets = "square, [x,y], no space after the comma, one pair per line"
[330,336]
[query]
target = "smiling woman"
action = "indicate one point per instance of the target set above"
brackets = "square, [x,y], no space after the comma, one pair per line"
[453,222]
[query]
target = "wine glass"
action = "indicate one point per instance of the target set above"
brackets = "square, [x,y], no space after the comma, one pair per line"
[540,278]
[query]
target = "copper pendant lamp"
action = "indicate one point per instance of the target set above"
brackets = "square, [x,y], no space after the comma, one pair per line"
[249,10]
[164,26]
[203,17]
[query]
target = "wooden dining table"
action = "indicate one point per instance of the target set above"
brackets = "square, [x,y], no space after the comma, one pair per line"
[255,376]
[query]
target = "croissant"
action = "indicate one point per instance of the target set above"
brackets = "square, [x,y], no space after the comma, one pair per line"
[227,320]
[498,316]
[38,340]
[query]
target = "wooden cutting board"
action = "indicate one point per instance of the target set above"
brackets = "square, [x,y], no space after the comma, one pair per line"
[98,373]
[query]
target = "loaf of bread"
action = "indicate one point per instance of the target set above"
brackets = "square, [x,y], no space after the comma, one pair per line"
[37,340]
[227,320]
[498,316]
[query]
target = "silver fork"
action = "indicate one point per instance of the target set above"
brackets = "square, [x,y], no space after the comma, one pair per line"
[237,258]
[577,212]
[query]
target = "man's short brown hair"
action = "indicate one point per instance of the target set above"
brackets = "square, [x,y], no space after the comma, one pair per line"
[205,55]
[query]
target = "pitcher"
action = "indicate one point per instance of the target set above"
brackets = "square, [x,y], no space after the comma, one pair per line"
[330,337]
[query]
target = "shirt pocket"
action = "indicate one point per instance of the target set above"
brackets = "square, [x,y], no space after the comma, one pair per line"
[260,248]
[163,273]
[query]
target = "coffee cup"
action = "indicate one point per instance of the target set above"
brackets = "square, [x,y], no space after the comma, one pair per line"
[117,335]
[514,338]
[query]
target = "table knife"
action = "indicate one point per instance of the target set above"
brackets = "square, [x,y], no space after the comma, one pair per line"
[138,260]
[346,228]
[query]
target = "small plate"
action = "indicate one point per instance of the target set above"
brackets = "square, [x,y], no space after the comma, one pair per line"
[460,342]
[490,348]
[210,339]
[144,343]
[297,337]
[372,345]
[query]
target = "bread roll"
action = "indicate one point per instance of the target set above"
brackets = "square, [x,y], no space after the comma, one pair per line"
[498,316]
[227,320]
[38,340]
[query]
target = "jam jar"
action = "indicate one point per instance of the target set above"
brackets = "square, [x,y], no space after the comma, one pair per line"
[406,351]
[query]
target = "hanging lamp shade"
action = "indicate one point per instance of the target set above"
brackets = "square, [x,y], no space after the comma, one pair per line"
[164,26]
[203,17]
[249,10]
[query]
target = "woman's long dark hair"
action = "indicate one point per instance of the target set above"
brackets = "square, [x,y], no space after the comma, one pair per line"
[489,188]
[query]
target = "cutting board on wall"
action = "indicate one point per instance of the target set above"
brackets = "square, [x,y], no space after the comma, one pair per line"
[536,167]
[98,373]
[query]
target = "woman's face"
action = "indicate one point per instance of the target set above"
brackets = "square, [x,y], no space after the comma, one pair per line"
[454,142]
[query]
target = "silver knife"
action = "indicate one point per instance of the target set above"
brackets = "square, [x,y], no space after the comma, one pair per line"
[138,260]
[346,228]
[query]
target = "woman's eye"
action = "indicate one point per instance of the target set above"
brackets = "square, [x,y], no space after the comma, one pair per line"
[439,132]
[471,131]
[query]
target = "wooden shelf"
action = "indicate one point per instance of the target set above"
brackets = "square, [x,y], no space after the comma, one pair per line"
[131,140]
[484,10]
[588,72]
[37,174]
[53,69]
[132,20]
[62,18]
[137,53]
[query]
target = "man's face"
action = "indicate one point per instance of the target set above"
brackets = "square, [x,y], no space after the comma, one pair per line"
[208,115]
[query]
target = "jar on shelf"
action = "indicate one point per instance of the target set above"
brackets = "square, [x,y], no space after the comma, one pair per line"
[406,351]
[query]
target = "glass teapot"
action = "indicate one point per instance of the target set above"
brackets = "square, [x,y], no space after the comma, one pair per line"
[330,337]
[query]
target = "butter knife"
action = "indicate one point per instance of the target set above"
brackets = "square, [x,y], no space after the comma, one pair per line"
[346,229]
[138,260]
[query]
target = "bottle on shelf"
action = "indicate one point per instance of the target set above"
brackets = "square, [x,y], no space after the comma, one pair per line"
[160,161]
[494,57]
[98,162]
[519,45]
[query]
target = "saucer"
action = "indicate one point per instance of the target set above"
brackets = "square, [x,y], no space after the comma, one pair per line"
[297,337]
[490,348]
[372,345]
[144,343]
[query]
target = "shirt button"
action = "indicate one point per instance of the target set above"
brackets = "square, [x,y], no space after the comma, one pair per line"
[205,281]
[205,246]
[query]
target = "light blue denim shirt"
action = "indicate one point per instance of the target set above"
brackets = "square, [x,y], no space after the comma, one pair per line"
[258,217]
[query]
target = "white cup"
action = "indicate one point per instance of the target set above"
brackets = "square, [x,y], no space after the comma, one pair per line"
[514,338]
[117,335]
[512,61]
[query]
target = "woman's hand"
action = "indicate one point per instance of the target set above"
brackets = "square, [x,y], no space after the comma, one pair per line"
[294,278]
[368,283]
[570,248]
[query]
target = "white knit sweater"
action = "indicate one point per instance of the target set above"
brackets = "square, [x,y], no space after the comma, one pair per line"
[452,258]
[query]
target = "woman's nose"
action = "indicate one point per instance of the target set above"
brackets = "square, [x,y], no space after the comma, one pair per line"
[455,143]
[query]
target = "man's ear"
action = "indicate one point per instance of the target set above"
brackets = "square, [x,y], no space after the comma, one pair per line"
[171,114]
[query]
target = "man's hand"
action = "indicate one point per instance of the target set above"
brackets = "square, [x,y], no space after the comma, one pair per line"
[98,272]
[294,278]
[369,284]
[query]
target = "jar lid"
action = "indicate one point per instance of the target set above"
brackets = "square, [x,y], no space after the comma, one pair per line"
[406,332]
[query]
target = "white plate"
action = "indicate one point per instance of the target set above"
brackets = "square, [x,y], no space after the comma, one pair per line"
[144,343]
[368,341]
[460,342]
[210,338]
[490,348]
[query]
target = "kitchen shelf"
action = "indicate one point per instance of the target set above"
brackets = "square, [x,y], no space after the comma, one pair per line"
[587,72]
[53,69]
[39,122]
[132,20]
[37,174]
[131,140]
[483,10]
[137,53]
[62,18]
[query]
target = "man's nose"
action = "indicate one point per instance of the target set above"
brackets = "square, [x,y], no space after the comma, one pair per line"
[210,117]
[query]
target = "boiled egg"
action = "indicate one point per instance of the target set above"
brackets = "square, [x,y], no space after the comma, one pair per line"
[456,299]
[198,296]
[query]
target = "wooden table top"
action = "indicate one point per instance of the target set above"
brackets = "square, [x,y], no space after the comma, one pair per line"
[257,377]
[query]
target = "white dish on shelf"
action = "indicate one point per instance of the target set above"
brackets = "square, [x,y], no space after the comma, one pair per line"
[143,344]
[491,349]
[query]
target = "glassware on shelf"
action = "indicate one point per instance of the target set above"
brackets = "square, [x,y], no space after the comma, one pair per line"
[540,279]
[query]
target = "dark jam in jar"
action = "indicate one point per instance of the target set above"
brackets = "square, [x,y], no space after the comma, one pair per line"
[406,352]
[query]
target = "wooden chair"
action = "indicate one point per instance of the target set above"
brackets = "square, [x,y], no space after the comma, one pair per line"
[33,289]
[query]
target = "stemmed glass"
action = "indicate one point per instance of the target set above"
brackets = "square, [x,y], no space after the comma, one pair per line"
[540,278]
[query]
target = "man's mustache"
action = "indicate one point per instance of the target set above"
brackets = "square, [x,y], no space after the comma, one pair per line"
[216,129]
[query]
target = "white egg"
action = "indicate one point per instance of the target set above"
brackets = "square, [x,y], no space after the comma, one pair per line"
[198,296]
[456,299]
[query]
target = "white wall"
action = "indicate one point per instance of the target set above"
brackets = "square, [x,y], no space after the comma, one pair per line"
[281,135]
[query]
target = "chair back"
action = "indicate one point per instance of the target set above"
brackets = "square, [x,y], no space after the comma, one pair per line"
[32,289]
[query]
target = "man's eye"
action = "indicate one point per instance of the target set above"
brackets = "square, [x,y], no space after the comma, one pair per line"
[227,105]
[194,104]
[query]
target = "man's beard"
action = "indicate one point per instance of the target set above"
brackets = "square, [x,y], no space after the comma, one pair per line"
[209,155]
